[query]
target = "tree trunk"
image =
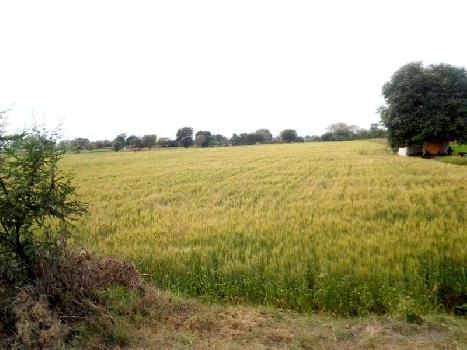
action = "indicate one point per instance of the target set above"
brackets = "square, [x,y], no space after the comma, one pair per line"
[21,253]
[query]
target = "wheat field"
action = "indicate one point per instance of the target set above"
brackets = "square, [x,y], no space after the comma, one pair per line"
[340,227]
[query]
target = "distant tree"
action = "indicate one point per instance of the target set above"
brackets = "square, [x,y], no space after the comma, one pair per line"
[67,146]
[251,138]
[82,143]
[312,138]
[360,134]
[327,136]
[149,141]
[220,140]
[99,144]
[235,140]
[62,146]
[119,142]
[339,132]
[263,135]
[185,137]
[163,142]
[172,143]
[425,104]
[374,127]
[341,129]
[200,140]
[288,135]
[203,138]
[376,131]
[72,146]
[133,142]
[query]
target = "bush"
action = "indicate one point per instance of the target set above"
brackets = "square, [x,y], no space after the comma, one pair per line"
[47,291]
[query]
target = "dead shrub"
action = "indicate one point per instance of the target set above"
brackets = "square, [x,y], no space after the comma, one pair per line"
[37,327]
[73,281]
[64,297]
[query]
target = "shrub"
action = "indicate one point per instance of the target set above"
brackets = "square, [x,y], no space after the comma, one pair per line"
[47,291]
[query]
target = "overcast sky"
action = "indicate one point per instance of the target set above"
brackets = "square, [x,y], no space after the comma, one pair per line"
[107,67]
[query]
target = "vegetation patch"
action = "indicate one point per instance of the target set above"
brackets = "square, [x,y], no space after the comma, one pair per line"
[453,160]
[459,148]
[48,293]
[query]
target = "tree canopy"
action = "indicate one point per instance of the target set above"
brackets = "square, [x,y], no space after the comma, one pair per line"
[425,104]
[149,140]
[263,135]
[133,141]
[289,135]
[203,138]
[33,193]
[185,137]
[119,142]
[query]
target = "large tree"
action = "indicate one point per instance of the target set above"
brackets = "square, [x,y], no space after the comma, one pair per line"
[185,137]
[264,135]
[149,141]
[119,142]
[133,142]
[288,135]
[425,104]
[203,138]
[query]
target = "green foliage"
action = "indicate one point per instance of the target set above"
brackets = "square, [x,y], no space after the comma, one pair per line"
[149,141]
[120,300]
[460,148]
[344,132]
[263,136]
[34,195]
[185,137]
[288,135]
[133,141]
[203,138]
[453,160]
[248,138]
[425,104]
[119,142]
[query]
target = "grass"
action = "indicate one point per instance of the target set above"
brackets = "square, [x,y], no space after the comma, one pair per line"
[453,160]
[459,148]
[342,227]
[171,323]
[163,320]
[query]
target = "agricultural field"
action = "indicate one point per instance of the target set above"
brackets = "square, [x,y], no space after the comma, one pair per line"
[341,227]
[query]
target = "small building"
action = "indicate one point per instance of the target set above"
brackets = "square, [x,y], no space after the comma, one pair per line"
[410,151]
[435,148]
[428,149]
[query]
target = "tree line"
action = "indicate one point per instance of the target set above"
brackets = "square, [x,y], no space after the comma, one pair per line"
[186,137]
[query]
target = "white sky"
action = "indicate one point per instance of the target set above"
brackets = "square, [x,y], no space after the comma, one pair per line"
[107,67]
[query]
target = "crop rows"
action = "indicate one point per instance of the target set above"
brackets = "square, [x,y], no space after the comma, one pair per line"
[340,227]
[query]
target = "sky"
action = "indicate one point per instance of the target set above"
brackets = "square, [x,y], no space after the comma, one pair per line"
[103,67]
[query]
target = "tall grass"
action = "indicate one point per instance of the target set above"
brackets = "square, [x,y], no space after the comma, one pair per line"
[453,160]
[341,227]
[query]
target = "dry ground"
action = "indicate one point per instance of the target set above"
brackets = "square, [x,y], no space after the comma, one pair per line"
[174,323]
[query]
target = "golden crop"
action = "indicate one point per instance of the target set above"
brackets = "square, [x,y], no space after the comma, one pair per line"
[345,227]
